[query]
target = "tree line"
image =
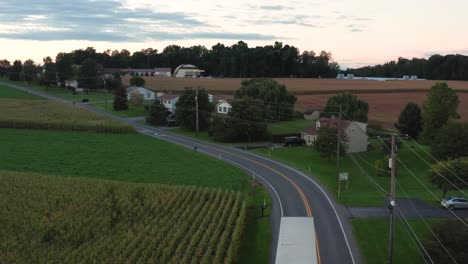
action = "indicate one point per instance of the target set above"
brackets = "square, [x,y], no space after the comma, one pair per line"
[238,60]
[437,67]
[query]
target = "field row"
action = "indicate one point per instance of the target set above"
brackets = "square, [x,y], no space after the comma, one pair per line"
[68,220]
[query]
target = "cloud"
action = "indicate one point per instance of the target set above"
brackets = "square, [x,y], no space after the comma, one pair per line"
[106,20]
[298,20]
[356,30]
[273,7]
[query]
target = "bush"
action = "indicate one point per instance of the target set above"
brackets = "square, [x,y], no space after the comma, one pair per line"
[381,167]
[85,100]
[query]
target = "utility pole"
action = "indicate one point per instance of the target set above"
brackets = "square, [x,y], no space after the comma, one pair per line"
[338,152]
[105,94]
[392,204]
[196,111]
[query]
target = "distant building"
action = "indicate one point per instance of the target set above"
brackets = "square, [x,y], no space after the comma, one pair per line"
[158,72]
[147,94]
[354,131]
[71,83]
[169,101]
[187,70]
[223,107]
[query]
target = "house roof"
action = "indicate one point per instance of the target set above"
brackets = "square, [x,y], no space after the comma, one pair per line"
[134,88]
[169,97]
[228,101]
[328,122]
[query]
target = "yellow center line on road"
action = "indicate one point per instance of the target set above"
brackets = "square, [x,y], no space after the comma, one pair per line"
[299,190]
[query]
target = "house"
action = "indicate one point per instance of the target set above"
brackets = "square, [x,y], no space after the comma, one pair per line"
[187,70]
[147,94]
[354,131]
[71,83]
[160,72]
[169,101]
[223,107]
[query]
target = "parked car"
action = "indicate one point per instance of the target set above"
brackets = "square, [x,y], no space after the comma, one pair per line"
[293,141]
[454,203]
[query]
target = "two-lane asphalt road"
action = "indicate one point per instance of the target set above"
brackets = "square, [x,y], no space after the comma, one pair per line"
[293,192]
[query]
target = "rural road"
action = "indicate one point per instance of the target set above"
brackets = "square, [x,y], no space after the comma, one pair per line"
[294,194]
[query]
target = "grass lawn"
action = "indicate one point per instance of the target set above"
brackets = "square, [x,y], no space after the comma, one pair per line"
[132,111]
[362,191]
[372,238]
[287,127]
[11,93]
[92,96]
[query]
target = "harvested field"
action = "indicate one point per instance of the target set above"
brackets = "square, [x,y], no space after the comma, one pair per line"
[41,114]
[384,108]
[296,85]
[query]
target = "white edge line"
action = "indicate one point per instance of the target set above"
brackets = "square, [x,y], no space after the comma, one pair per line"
[324,193]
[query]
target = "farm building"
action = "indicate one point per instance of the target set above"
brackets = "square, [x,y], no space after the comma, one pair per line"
[354,131]
[187,70]
[169,101]
[147,94]
[223,107]
[159,72]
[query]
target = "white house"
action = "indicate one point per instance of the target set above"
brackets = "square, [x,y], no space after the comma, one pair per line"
[169,101]
[187,70]
[147,94]
[71,83]
[223,107]
[354,131]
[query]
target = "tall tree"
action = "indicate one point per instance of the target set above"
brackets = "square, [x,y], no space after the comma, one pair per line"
[88,74]
[4,67]
[453,234]
[278,102]
[29,72]
[441,104]
[351,106]
[14,73]
[137,81]
[410,120]
[451,141]
[120,99]
[157,115]
[64,62]
[185,109]
[50,71]
[450,175]
[327,140]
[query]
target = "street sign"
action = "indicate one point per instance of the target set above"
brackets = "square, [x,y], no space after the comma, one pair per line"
[343,176]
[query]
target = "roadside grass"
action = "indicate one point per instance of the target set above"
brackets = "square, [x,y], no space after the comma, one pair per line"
[256,244]
[92,96]
[50,115]
[361,191]
[132,111]
[11,93]
[372,238]
[288,127]
[71,220]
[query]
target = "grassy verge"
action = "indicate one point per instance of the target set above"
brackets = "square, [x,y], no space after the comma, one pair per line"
[49,115]
[372,238]
[256,244]
[361,191]
[82,220]
[132,111]
[11,93]
[287,127]
[92,96]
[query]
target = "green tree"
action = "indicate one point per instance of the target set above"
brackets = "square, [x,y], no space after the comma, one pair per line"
[185,109]
[137,81]
[113,83]
[88,74]
[136,100]
[326,142]
[157,115]
[14,73]
[450,175]
[243,123]
[50,71]
[410,120]
[29,72]
[453,234]
[120,99]
[268,93]
[381,167]
[451,141]
[351,106]
[441,104]
[64,64]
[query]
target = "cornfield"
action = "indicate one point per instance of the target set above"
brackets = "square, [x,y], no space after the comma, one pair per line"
[69,220]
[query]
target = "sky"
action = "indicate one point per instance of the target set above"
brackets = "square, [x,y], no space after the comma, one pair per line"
[356,32]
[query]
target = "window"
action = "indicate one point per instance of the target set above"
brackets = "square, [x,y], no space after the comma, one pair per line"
[220,109]
[224,109]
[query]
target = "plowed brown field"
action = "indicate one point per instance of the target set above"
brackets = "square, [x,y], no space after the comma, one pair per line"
[295,85]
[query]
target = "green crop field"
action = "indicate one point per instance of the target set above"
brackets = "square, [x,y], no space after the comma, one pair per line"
[132,111]
[11,93]
[41,114]
[70,220]
[127,157]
